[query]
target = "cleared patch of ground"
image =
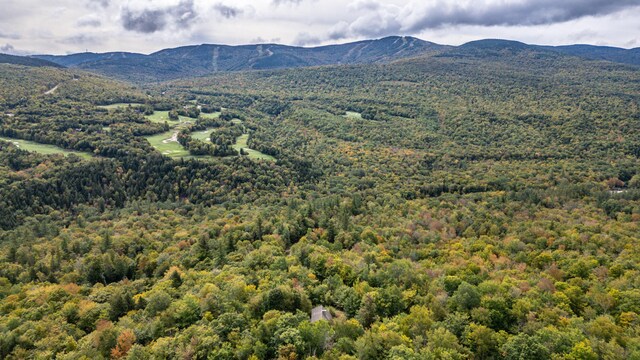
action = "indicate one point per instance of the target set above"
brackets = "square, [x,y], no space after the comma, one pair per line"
[44,148]
[241,143]
[52,90]
[353,115]
[204,135]
[213,115]
[167,144]
[118,106]
[163,116]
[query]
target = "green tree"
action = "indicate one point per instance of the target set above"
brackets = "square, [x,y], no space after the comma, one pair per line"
[176,279]
[523,346]
[466,297]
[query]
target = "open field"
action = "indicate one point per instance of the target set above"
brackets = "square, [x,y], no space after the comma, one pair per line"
[163,116]
[167,145]
[241,143]
[213,115]
[204,135]
[43,148]
[118,105]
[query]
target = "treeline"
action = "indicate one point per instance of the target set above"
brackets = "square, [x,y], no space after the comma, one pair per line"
[108,183]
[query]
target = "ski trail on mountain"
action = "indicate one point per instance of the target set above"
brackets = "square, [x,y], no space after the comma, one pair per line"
[214,60]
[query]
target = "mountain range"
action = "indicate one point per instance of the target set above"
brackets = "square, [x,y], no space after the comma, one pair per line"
[26,61]
[200,60]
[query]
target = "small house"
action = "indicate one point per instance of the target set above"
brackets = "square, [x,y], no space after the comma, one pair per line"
[320,313]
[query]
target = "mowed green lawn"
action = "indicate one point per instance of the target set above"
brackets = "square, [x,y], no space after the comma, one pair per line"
[167,145]
[163,116]
[118,105]
[241,143]
[204,135]
[163,143]
[214,115]
[44,148]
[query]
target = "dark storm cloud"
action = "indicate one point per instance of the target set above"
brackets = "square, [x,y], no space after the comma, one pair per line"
[538,12]
[380,19]
[152,20]
[147,21]
[227,11]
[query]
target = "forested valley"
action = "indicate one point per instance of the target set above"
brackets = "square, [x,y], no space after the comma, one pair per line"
[480,204]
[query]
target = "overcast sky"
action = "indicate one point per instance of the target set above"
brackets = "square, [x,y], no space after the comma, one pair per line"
[68,26]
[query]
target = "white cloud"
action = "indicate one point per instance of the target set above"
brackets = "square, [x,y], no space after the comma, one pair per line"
[98,25]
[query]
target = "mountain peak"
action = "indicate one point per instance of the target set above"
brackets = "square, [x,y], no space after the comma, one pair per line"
[495,44]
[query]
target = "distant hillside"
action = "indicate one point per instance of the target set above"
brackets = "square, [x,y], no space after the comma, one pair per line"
[26,61]
[499,50]
[496,48]
[80,58]
[201,60]
[198,60]
[630,56]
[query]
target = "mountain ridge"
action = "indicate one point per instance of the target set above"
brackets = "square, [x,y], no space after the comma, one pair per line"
[204,59]
[27,61]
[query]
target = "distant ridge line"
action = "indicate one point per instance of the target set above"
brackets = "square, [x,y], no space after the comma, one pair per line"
[203,59]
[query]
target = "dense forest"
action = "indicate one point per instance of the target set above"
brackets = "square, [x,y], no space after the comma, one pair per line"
[482,204]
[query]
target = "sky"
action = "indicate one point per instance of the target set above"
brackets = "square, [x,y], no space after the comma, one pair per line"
[145,26]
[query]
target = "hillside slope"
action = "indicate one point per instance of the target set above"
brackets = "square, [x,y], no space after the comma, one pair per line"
[88,57]
[206,59]
[625,56]
[26,61]
[198,60]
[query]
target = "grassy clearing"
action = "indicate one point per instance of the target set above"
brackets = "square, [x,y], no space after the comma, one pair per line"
[203,135]
[166,142]
[163,116]
[44,148]
[241,143]
[353,115]
[118,106]
[213,115]
[167,145]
